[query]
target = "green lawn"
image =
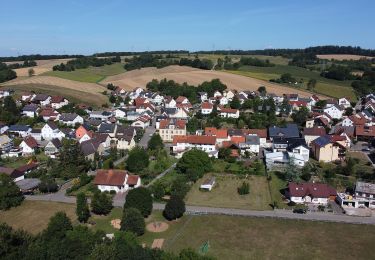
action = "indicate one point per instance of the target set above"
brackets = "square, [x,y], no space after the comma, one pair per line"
[91,74]
[276,185]
[267,238]
[225,195]
[20,161]
[33,216]
[324,86]
[229,237]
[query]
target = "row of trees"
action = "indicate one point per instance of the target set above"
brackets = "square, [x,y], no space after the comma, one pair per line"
[338,72]
[85,62]
[366,85]
[6,73]
[158,61]
[25,64]
[174,89]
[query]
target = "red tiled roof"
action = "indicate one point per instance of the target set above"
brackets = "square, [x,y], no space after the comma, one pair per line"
[219,133]
[194,139]
[139,101]
[315,190]
[132,179]
[180,99]
[298,103]
[238,139]
[180,124]
[110,177]
[206,105]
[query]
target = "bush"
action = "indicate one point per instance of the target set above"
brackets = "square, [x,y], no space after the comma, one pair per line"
[158,191]
[174,209]
[141,199]
[244,189]
[291,203]
[48,186]
[133,221]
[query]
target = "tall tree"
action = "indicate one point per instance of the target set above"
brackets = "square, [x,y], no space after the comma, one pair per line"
[174,209]
[155,143]
[138,160]
[141,199]
[133,221]
[82,210]
[10,194]
[101,203]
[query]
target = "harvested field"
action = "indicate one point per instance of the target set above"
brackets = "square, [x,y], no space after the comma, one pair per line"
[76,96]
[139,78]
[43,66]
[342,57]
[58,82]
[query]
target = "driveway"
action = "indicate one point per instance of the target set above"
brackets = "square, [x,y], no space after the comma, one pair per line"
[149,131]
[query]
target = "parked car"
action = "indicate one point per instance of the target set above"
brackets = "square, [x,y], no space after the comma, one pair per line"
[299,211]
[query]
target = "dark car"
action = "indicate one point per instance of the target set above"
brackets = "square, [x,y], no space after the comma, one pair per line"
[299,211]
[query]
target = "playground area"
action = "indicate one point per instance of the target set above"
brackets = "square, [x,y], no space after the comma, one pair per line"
[157,226]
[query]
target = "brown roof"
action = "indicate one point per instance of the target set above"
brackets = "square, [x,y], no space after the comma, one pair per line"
[261,133]
[13,173]
[57,99]
[194,139]
[316,131]
[362,130]
[207,105]
[315,190]
[28,167]
[358,120]
[110,177]
[48,112]
[30,141]
[228,110]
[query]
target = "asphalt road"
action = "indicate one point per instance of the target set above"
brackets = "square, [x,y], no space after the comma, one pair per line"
[149,131]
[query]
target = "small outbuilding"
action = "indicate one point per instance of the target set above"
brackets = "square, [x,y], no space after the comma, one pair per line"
[208,184]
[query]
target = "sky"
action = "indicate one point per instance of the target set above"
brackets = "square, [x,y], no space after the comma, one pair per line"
[90,26]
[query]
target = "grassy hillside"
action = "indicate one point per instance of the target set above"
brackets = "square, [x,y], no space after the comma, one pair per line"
[324,86]
[91,74]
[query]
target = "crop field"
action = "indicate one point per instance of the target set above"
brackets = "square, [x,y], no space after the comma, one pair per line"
[42,66]
[91,74]
[342,57]
[324,86]
[139,78]
[78,95]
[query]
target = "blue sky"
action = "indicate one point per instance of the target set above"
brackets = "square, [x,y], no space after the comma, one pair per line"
[85,27]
